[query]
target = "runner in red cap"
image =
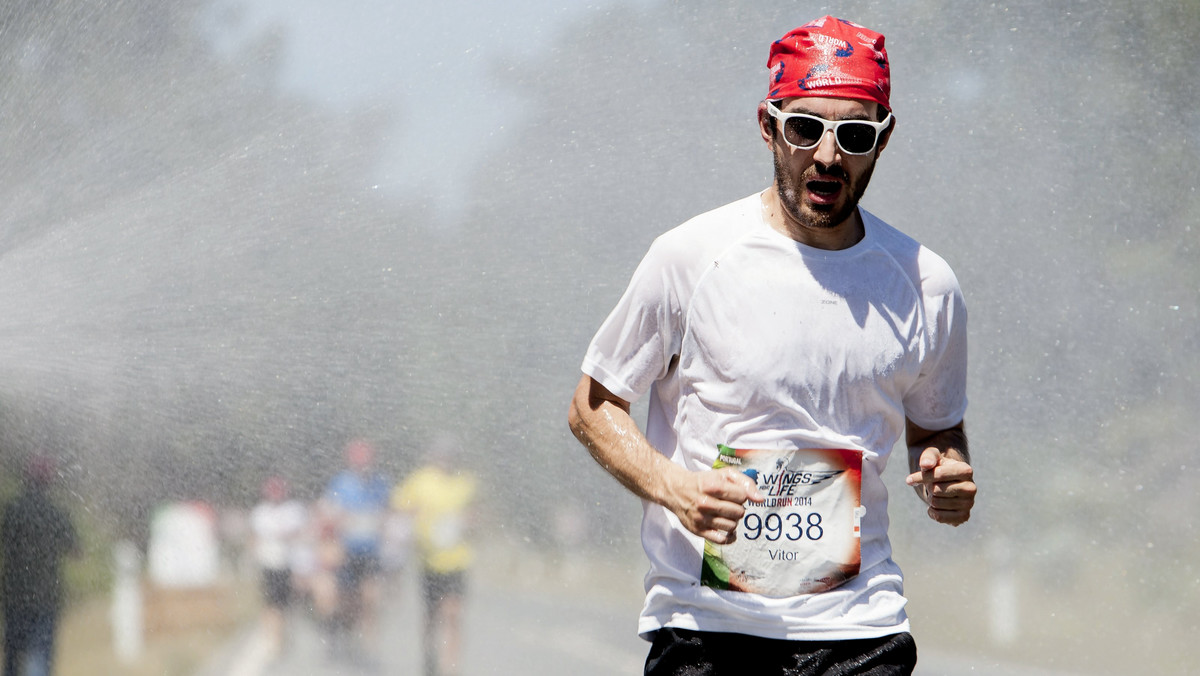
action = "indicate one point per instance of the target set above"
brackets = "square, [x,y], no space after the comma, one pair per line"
[786,342]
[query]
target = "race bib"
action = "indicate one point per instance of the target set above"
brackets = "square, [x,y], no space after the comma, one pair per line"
[447,532]
[803,538]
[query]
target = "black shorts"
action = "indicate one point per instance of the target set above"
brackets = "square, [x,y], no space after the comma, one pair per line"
[680,652]
[437,586]
[277,587]
[356,568]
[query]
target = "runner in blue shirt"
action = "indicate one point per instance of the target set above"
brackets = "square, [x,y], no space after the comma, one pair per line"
[358,497]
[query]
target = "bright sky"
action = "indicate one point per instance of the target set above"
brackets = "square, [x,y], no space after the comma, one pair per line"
[430,59]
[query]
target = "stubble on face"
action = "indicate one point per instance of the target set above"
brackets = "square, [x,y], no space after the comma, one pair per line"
[817,216]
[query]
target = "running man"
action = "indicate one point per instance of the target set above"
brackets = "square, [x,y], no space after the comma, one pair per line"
[439,497]
[358,501]
[276,522]
[786,341]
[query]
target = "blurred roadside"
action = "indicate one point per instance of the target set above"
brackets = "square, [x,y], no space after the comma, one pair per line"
[526,610]
[535,611]
[183,630]
[210,631]
[528,606]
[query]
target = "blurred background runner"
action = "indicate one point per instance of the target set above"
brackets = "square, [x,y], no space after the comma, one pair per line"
[358,500]
[439,498]
[276,524]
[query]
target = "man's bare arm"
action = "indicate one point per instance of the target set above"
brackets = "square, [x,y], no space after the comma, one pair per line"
[708,504]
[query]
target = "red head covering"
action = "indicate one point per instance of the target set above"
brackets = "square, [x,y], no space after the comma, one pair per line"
[830,57]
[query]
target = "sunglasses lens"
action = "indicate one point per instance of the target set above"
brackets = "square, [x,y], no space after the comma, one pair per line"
[803,132]
[856,138]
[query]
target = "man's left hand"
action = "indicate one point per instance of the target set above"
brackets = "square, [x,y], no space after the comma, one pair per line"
[947,484]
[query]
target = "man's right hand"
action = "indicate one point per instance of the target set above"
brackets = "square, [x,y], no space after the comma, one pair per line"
[712,503]
[708,503]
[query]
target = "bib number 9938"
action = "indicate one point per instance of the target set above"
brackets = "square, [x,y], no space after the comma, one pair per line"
[803,536]
[774,526]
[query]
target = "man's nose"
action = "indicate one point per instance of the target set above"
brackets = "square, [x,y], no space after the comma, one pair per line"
[827,149]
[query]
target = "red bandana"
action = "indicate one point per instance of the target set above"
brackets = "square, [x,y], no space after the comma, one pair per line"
[830,57]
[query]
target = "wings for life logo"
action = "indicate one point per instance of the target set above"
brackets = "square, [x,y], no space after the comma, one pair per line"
[785,486]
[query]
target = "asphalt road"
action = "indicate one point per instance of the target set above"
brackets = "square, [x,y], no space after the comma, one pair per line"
[507,631]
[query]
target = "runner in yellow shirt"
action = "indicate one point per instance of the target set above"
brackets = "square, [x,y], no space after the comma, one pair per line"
[439,499]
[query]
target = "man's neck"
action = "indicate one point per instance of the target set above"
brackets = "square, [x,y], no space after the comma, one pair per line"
[841,236]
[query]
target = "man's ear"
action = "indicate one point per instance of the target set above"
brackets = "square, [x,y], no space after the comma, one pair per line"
[885,136]
[766,125]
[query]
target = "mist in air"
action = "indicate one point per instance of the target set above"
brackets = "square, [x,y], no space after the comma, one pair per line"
[238,234]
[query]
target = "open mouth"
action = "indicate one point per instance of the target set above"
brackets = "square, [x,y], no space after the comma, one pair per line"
[823,190]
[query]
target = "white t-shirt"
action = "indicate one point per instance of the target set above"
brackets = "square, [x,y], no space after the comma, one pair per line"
[276,527]
[748,339]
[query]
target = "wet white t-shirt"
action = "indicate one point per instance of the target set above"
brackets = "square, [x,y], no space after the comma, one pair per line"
[803,364]
[276,527]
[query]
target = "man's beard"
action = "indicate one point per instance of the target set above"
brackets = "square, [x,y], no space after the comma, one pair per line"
[818,216]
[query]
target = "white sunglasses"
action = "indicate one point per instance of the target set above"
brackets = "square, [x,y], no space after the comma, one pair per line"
[804,131]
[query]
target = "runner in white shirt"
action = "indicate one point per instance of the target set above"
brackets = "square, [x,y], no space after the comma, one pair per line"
[786,342]
[277,524]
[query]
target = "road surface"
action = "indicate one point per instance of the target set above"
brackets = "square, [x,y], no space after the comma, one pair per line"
[509,631]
